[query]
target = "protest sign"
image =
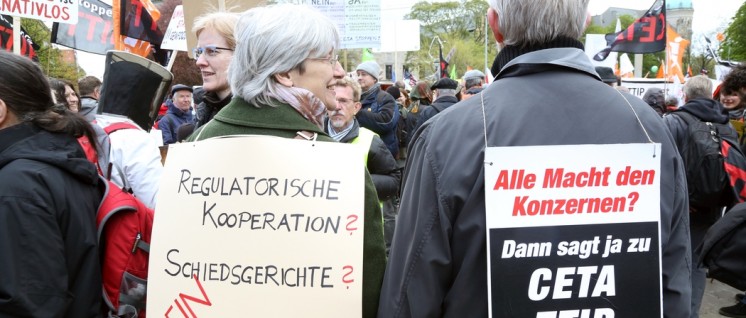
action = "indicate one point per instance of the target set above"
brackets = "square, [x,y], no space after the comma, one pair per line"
[571,237]
[62,11]
[258,226]
[358,21]
[175,37]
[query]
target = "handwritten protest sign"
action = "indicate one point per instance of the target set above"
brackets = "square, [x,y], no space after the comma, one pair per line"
[175,37]
[63,11]
[576,235]
[258,227]
[358,21]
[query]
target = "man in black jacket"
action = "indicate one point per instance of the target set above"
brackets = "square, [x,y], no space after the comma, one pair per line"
[697,93]
[445,96]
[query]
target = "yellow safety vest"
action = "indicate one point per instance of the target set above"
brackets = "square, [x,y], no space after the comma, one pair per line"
[363,141]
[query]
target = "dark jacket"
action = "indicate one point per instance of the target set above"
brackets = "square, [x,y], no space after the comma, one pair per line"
[241,118]
[438,261]
[49,194]
[381,164]
[210,105]
[171,122]
[439,105]
[380,115]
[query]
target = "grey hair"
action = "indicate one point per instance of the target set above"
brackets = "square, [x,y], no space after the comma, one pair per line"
[477,81]
[446,92]
[273,40]
[699,86]
[530,22]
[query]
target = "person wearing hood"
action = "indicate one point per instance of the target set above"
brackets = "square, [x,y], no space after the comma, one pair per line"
[698,102]
[90,91]
[379,112]
[49,195]
[656,99]
[179,113]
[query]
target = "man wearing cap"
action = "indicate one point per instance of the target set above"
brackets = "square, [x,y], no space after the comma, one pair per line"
[378,112]
[473,81]
[607,75]
[178,113]
[444,91]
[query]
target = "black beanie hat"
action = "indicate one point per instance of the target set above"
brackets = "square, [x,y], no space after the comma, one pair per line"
[394,91]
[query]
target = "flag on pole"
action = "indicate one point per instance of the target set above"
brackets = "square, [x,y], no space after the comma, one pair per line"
[453,74]
[367,56]
[412,80]
[675,50]
[139,20]
[28,47]
[443,65]
[646,35]
[121,41]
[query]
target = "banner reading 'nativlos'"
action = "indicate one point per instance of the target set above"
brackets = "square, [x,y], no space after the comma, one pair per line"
[94,30]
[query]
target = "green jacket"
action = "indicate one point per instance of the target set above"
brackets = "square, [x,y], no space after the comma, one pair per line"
[241,118]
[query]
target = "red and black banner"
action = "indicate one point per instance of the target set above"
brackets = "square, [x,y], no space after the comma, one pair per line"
[94,31]
[646,35]
[28,47]
[443,64]
[137,23]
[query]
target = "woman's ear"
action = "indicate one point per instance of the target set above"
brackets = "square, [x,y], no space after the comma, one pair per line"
[284,79]
[7,118]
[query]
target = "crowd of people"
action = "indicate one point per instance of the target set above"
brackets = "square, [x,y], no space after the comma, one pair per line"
[425,234]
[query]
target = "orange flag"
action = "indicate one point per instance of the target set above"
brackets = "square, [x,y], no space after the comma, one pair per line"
[661,69]
[123,43]
[675,48]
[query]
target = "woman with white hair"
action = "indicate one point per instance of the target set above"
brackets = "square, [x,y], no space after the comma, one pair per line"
[282,76]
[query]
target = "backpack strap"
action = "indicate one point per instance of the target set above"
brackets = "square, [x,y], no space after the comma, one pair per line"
[118,126]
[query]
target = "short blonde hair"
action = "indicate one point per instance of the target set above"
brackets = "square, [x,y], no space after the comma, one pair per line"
[348,82]
[222,22]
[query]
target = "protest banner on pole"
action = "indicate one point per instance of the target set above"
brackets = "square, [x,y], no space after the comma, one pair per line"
[258,226]
[94,33]
[574,238]
[62,11]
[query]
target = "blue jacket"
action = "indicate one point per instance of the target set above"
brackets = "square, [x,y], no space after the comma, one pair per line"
[171,122]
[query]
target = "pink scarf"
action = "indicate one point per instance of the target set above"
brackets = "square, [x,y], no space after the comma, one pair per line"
[304,102]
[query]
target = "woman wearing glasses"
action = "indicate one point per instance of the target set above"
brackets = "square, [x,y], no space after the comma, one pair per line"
[214,51]
[283,76]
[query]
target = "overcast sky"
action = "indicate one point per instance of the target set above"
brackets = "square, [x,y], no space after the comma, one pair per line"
[708,17]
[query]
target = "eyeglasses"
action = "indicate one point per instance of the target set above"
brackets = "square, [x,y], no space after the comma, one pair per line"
[345,101]
[332,60]
[210,50]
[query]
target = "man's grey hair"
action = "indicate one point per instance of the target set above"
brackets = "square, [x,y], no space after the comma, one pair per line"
[699,86]
[273,40]
[446,92]
[530,22]
[473,82]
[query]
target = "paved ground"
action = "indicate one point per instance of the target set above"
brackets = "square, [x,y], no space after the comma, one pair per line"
[717,295]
